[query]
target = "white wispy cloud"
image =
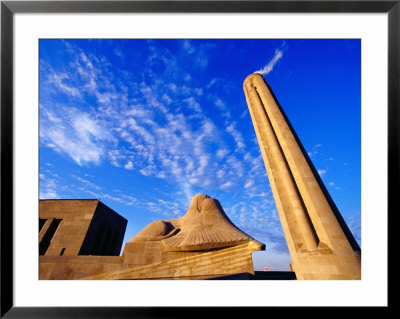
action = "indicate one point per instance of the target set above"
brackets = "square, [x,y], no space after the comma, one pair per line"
[118,52]
[227,185]
[193,104]
[268,68]
[314,150]
[61,82]
[48,194]
[188,47]
[221,153]
[198,53]
[220,104]
[237,136]
[85,182]
[79,136]
[129,165]
[48,182]
[249,184]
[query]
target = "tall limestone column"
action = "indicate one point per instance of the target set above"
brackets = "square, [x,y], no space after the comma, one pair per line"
[320,244]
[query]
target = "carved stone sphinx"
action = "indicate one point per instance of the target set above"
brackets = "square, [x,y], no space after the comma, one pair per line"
[204,243]
[204,227]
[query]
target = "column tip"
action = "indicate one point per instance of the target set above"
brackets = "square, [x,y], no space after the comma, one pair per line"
[251,76]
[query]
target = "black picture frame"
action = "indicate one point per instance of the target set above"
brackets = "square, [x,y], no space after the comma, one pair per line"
[9,8]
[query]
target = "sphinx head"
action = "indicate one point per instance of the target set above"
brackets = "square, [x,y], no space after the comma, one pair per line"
[196,204]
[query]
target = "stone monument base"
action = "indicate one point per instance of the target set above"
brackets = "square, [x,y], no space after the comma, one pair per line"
[167,265]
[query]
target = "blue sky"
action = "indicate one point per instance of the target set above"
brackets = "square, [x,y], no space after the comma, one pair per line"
[144,125]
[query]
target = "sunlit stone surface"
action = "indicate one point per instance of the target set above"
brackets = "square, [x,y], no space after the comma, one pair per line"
[202,244]
[319,241]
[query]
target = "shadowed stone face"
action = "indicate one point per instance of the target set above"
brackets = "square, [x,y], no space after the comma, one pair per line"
[205,226]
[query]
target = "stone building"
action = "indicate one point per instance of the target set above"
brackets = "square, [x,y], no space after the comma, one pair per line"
[79,227]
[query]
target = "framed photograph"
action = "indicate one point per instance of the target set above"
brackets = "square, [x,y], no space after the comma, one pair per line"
[140,105]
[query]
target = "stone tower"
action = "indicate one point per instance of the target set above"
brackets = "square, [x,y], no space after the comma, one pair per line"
[319,241]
